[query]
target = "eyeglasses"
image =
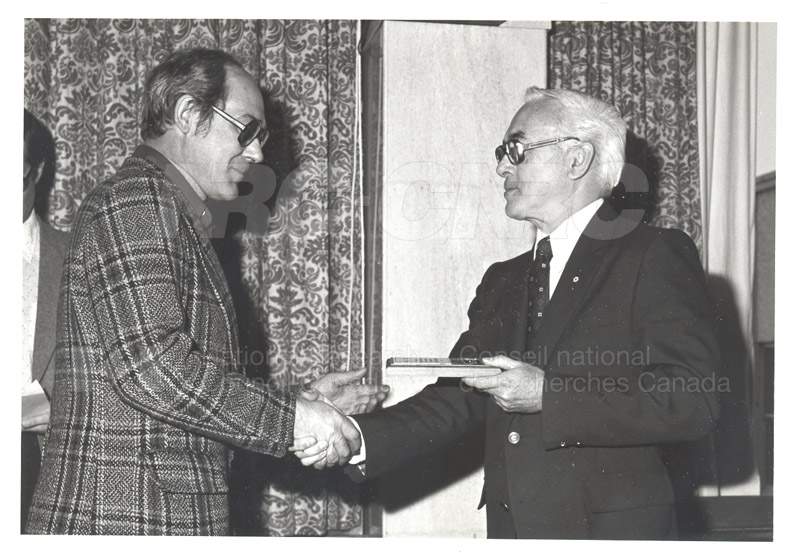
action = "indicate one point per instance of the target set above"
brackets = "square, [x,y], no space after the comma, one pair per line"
[247,133]
[515,150]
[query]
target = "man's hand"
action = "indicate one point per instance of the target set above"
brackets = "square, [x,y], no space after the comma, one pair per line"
[325,435]
[310,451]
[350,397]
[35,413]
[518,389]
[307,448]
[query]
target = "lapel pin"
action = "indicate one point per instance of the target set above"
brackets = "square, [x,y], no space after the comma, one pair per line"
[575,279]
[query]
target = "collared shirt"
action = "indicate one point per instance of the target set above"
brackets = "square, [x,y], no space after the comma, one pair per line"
[31,239]
[564,238]
[180,179]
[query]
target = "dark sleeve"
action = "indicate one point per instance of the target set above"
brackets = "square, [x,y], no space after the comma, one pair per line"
[672,398]
[132,256]
[437,415]
[427,421]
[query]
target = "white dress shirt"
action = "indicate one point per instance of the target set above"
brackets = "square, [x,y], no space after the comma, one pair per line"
[564,238]
[30,292]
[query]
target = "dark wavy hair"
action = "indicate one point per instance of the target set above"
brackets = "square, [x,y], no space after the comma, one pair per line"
[199,72]
[40,149]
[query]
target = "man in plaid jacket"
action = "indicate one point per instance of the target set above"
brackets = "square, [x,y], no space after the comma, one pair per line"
[149,397]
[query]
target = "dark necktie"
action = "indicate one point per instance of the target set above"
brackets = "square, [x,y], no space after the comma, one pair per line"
[538,288]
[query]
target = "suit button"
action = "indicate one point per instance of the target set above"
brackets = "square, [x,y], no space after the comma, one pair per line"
[513,438]
[505,507]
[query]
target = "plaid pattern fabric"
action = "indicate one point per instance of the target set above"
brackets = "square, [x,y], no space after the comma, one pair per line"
[149,395]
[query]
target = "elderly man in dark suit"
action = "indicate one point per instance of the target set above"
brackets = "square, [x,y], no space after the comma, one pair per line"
[603,336]
[149,397]
[42,259]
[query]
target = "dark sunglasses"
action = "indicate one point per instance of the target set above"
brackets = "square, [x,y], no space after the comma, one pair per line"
[515,150]
[247,133]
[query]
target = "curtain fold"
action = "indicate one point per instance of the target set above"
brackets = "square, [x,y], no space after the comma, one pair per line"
[296,271]
[726,54]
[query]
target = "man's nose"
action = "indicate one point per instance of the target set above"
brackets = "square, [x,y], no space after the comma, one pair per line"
[504,167]
[253,152]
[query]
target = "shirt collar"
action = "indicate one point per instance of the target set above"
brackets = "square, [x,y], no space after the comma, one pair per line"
[30,236]
[179,179]
[566,235]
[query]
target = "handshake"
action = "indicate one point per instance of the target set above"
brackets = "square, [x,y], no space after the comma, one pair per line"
[323,435]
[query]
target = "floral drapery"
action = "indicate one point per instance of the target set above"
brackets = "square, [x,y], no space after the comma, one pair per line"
[298,283]
[648,70]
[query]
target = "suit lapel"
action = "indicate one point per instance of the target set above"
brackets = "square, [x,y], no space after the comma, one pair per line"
[576,280]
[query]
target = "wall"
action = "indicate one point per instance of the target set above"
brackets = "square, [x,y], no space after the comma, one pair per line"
[450,92]
[766,87]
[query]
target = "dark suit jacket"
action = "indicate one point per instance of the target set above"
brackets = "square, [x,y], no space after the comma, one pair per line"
[625,343]
[149,393]
[52,249]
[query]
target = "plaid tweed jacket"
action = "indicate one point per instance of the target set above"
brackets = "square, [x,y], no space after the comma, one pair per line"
[148,395]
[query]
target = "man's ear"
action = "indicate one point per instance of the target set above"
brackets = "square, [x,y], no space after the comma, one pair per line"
[580,160]
[186,114]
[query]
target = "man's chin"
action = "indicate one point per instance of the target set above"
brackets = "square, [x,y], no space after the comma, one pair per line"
[226,195]
[512,212]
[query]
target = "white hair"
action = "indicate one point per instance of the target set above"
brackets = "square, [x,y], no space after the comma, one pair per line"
[594,121]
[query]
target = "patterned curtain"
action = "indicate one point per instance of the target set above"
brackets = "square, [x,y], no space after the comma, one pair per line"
[648,71]
[297,278]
